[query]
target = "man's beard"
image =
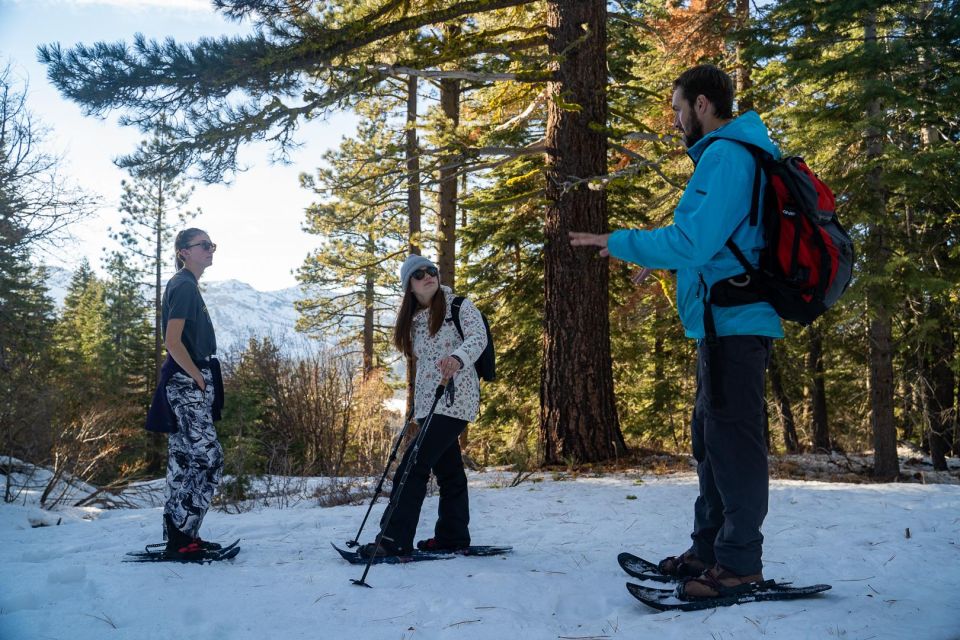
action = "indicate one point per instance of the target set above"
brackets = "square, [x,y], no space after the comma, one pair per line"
[696,131]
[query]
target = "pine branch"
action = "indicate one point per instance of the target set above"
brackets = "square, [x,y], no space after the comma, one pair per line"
[526,114]
[400,71]
[357,34]
[598,183]
[644,162]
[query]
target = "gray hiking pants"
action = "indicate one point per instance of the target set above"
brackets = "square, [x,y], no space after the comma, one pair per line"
[731,452]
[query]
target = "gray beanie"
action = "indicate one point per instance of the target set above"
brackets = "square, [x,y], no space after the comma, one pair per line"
[410,265]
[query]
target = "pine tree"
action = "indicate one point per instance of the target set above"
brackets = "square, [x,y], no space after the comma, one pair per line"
[83,341]
[27,399]
[35,206]
[857,88]
[352,276]
[322,58]
[153,201]
[130,331]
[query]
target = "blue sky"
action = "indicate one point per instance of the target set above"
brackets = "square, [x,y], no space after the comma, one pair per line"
[256,220]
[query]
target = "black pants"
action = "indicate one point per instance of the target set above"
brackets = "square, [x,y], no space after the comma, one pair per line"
[440,453]
[731,452]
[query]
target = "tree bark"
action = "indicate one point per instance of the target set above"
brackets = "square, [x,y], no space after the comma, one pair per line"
[414,209]
[368,304]
[941,351]
[818,391]
[447,228]
[790,439]
[743,77]
[578,416]
[886,464]
[956,422]
[158,447]
[412,151]
[157,285]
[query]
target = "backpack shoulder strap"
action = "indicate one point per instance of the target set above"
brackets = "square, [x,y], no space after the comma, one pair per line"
[455,312]
[760,156]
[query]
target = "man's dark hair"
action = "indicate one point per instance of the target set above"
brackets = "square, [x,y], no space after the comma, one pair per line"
[710,82]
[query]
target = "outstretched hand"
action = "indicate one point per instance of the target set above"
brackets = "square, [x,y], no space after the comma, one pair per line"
[582,239]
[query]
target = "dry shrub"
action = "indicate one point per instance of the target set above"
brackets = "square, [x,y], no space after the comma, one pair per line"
[372,427]
[86,448]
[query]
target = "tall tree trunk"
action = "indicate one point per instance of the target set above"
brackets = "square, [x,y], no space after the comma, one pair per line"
[956,420]
[818,390]
[790,439]
[447,231]
[157,458]
[907,392]
[886,466]
[743,77]
[157,285]
[368,304]
[578,416]
[940,353]
[414,211]
[412,152]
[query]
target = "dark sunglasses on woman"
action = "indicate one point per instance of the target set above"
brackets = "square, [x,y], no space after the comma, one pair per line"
[420,274]
[205,244]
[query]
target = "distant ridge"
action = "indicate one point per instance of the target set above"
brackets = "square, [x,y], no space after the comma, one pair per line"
[237,309]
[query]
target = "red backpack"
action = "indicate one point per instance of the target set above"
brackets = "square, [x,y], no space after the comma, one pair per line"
[807,262]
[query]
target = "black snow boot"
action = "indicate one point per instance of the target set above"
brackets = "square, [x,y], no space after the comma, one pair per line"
[442,546]
[385,548]
[179,544]
[206,545]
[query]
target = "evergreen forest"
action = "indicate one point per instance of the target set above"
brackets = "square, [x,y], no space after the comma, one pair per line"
[487,130]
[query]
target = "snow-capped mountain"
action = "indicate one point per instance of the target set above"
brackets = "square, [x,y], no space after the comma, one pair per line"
[238,311]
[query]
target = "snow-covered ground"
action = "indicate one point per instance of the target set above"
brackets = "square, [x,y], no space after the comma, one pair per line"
[891,552]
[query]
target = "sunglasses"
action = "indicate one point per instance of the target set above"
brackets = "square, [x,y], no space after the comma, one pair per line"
[206,244]
[420,274]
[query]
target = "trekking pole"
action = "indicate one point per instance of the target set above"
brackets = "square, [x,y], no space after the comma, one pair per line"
[403,480]
[376,493]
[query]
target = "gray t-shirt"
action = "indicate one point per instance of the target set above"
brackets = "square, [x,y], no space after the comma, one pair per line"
[182,300]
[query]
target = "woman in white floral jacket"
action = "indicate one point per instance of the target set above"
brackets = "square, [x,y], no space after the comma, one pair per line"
[425,331]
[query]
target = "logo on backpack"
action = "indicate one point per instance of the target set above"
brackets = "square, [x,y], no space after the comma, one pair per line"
[807,262]
[485,365]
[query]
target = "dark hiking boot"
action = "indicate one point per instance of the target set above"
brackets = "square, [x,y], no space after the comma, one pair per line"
[206,545]
[179,544]
[191,551]
[685,565]
[436,545]
[384,549]
[716,582]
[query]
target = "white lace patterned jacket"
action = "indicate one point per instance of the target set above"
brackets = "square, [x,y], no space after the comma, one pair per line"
[429,350]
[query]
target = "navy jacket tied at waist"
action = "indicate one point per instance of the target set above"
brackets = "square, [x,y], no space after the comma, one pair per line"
[160,418]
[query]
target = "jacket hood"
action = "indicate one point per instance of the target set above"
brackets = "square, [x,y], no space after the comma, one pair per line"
[747,128]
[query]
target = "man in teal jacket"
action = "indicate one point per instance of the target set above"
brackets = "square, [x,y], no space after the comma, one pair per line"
[727,428]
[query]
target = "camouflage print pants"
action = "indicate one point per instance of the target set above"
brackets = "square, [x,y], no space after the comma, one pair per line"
[195,459]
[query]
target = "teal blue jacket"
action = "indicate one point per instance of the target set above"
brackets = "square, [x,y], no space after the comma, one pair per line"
[714,207]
